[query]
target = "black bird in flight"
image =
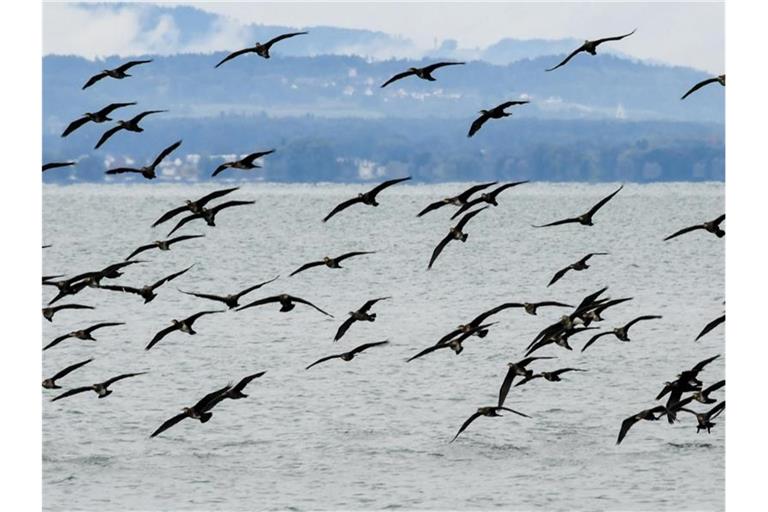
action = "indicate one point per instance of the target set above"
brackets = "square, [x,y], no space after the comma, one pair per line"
[287,303]
[549,376]
[244,163]
[348,356]
[230,300]
[179,325]
[148,171]
[146,292]
[518,369]
[200,411]
[459,200]
[368,198]
[82,334]
[50,311]
[622,332]
[236,392]
[719,79]
[209,215]
[686,381]
[486,411]
[330,262]
[424,73]
[496,112]
[647,414]
[193,206]
[131,125]
[712,226]
[579,265]
[118,72]
[77,283]
[704,419]
[701,396]
[361,315]
[559,338]
[586,218]
[455,233]
[711,325]
[50,383]
[590,47]
[454,343]
[100,116]
[56,165]
[595,315]
[489,197]
[101,388]
[163,245]
[262,50]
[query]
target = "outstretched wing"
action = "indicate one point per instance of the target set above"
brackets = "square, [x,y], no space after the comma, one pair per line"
[432,207]
[160,335]
[95,78]
[182,238]
[560,273]
[426,351]
[323,359]
[466,218]
[302,301]
[74,125]
[506,384]
[378,188]
[255,287]
[169,423]
[114,106]
[397,77]
[253,156]
[342,206]
[711,325]
[183,221]
[699,86]
[558,222]
[477,124]
[140,249]
[121,377]
[233,55]
[107,134]
[221,168]
[432,67]
[75,366]
[602,202]
[122,170]
[259,302]
[170,214]
[170,277]
[245,381]
[205,296]
[614,38]
[512,410]
[625,426]
[369,304]
[73,391]
[352,254]
[142,115]
[684,231]
[466,424]
[120,288]
[125,67]
[343,328]
[366,346]
[55,165]
[167,151]
[439,249]
[700,365]
[641,318]
[594,339]
[464,196]
[569,57]
[228,204]
[215,194]
[274,40]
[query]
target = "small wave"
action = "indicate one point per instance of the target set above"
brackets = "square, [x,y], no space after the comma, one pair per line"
[690,445]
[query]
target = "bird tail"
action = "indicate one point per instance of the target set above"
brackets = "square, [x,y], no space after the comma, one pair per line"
[205,417]
[464,237]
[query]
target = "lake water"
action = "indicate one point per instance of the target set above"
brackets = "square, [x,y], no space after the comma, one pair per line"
[374,433]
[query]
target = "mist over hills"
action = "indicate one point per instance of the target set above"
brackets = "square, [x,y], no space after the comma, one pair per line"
[599,118]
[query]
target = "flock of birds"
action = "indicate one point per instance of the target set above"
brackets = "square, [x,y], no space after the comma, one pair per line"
[682,391]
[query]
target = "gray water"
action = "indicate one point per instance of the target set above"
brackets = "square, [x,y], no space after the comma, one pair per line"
[374,433]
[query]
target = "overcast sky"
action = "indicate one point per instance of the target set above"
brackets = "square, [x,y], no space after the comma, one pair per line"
[683,33]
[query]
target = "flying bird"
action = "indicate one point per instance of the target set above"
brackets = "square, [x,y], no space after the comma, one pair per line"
[50,383]
[686,381]
[131,125]
[330,262]
[459,200]
[368,198]
[719,79]
[348,356]
[454,344]
[193,206]
[586,218]
[489,197]
[486,411]
[101,388]
[704,419]
[701,396]
[262,50]
[361,315]
[99,116]
[622,332]
[424,73]
[56,165]
[518,369]
[146,292]
[590,47]
[287,303]
[711,325]
[232,301]
[200,411]
[496,112]
[549,376]
[647,414]
[209,215]
[455,233]
[179,325]
[148,171]
[236,392]
[244,163]
[118,72]
[163,245]
[50,311]
[579,265]
[711,227]
[82,334]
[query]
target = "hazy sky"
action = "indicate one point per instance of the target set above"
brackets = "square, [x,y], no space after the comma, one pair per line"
[684,33]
